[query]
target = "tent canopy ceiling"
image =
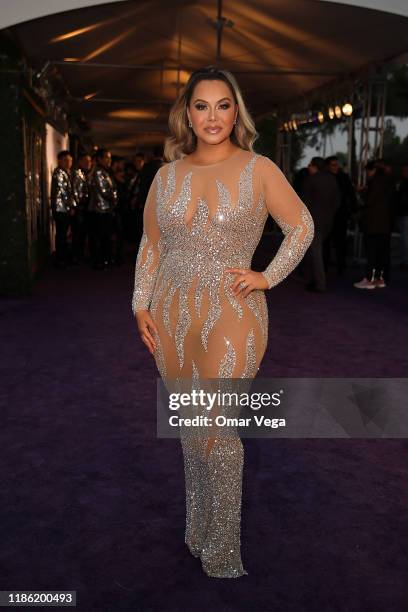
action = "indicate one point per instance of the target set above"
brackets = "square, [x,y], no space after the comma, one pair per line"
[125,55]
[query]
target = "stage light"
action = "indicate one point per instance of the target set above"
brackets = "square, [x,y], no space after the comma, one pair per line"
[294,124]
[337,111]
[347,109]
[320,117]
[331,112]
[72,59]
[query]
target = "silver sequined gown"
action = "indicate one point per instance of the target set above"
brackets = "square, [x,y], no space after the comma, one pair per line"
[198,221]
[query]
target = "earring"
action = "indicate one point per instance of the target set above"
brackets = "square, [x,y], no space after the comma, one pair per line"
[235,122]
[190,124]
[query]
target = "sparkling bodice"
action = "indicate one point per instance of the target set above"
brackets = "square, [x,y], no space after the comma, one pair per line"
[202,219]
[207,243]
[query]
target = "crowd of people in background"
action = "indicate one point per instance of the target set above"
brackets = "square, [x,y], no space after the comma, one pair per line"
[98,204]
[377,208]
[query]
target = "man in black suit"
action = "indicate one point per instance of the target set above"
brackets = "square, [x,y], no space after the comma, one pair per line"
[147,175]
[348,205]
[321,195]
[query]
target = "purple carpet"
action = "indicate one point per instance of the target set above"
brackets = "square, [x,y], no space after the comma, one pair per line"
[93,501]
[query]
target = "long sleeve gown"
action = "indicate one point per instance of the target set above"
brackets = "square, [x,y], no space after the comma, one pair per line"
[198,221]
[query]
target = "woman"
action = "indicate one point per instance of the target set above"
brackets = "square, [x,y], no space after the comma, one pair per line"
[200,309]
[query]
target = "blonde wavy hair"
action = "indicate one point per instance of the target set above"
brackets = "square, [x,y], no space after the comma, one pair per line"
[182,139]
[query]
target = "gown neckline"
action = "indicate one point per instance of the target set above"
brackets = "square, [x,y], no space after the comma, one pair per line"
[214,164]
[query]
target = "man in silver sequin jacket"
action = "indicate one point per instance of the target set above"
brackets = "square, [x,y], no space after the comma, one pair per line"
[62,205]
[102,210]
[80,186]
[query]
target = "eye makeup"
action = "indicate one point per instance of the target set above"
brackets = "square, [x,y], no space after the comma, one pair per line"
[224,104]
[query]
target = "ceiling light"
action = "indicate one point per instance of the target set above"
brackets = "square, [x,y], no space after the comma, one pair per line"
[91,95]
[75,33]
[133,113]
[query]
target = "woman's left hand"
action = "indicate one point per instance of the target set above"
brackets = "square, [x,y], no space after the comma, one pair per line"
[246,281]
